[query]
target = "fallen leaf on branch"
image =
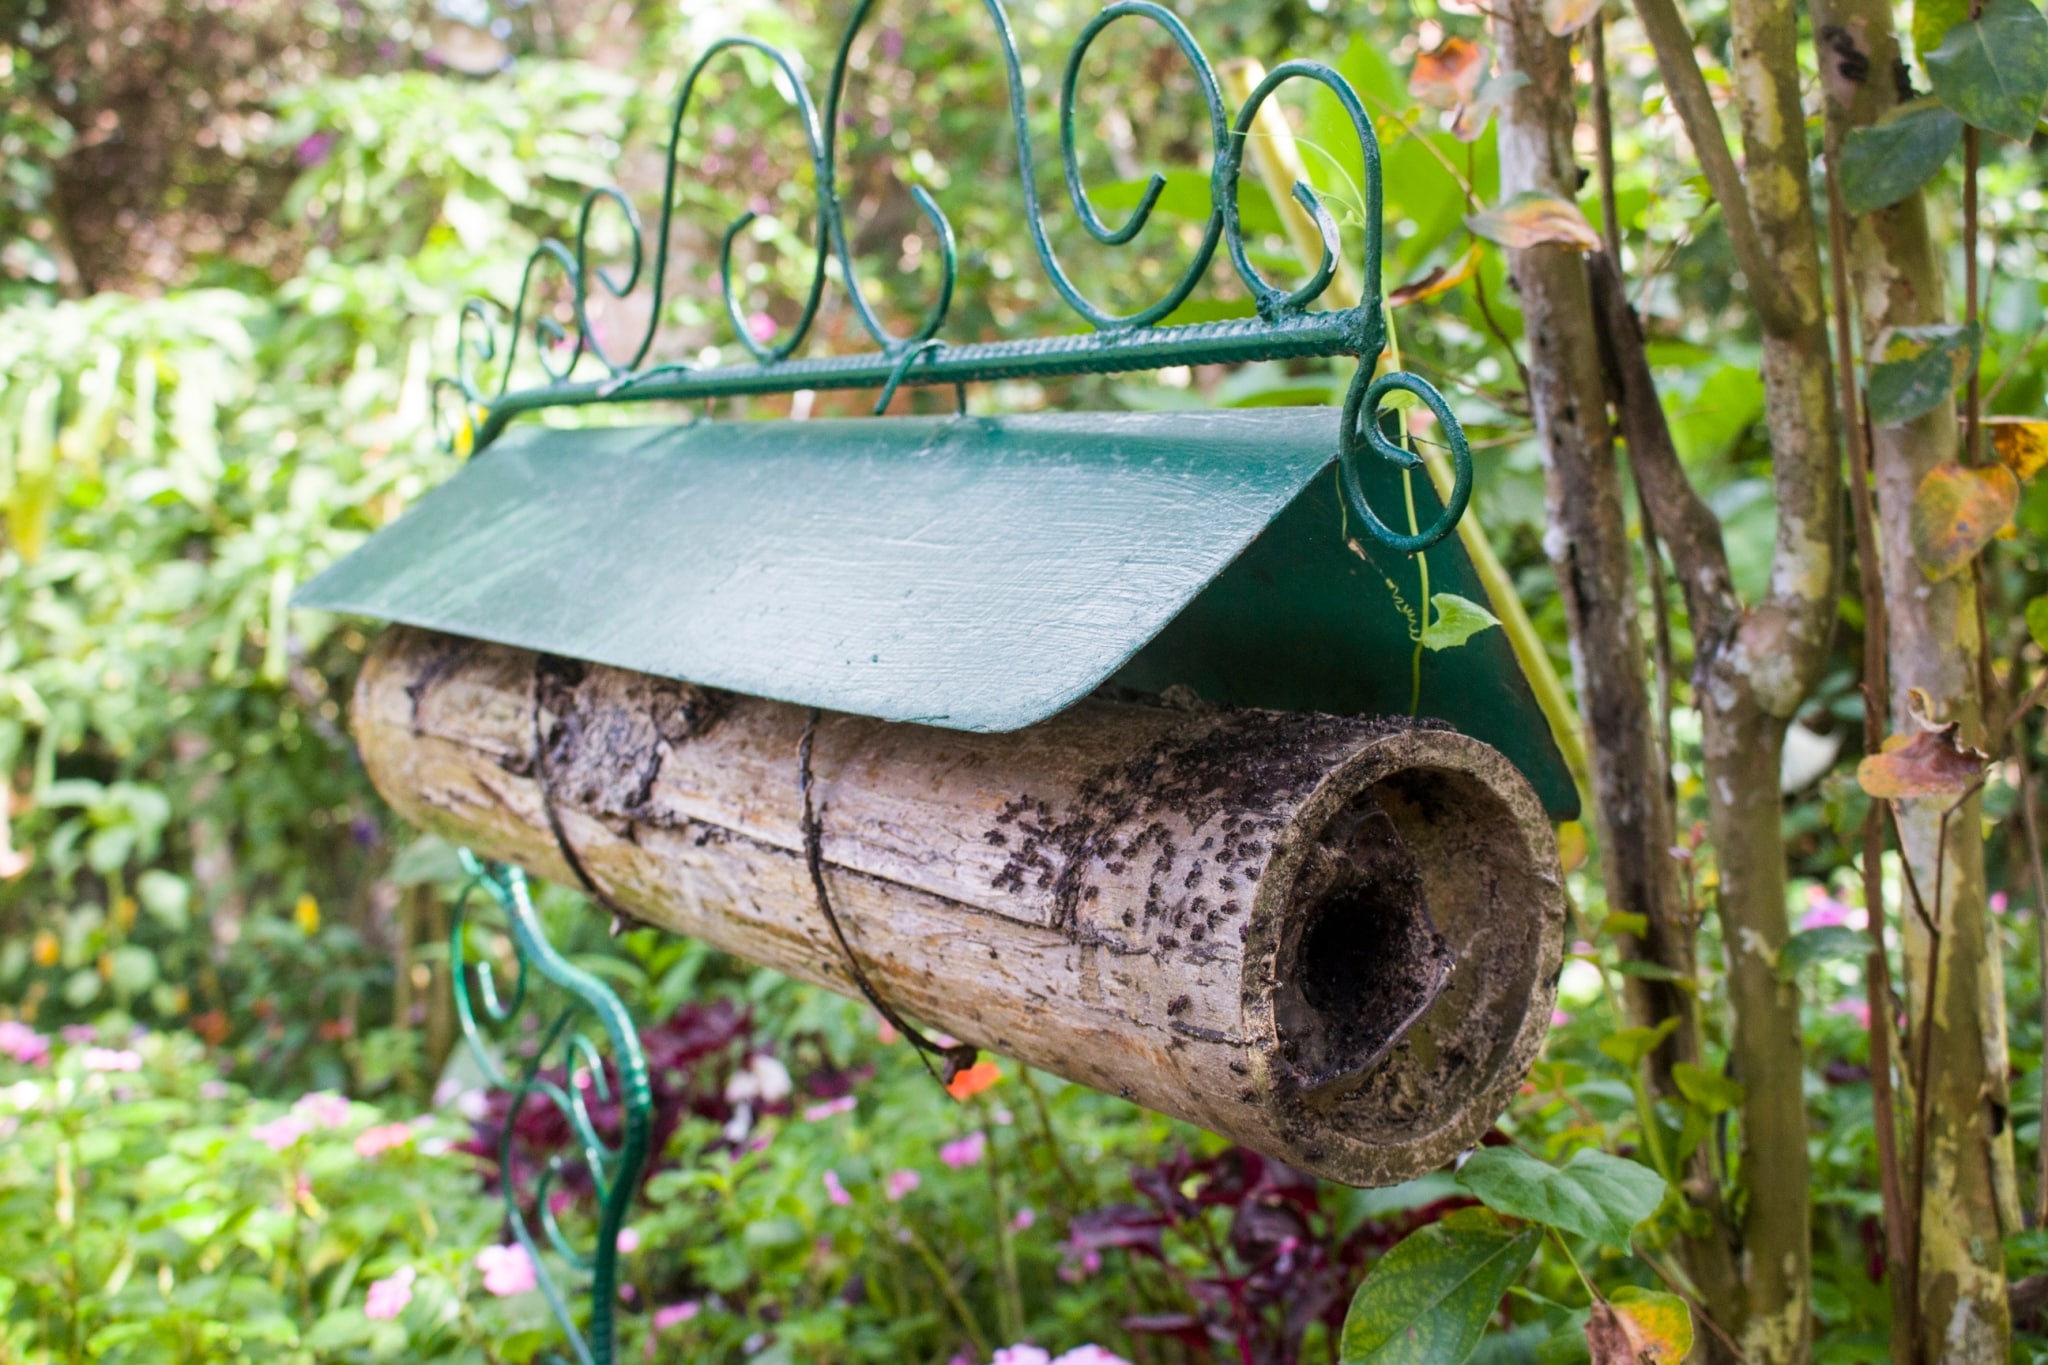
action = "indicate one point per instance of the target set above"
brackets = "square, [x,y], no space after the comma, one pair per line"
[2021,442]
[1450,75]
[1957,511]
[1532,218]
[1931,763]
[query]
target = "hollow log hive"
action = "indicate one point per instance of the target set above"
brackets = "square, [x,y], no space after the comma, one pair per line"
[1334,940]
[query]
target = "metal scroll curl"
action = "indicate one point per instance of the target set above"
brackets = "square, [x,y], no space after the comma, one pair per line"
[580,369]
[566,1047]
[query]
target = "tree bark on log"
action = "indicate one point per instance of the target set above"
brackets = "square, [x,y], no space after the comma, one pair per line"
[1333,940]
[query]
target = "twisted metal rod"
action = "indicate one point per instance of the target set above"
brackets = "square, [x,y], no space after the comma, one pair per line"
[614,1168]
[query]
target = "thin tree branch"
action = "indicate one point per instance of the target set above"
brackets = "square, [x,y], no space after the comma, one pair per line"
[1688,526]
[1671,40]
[1901,1235]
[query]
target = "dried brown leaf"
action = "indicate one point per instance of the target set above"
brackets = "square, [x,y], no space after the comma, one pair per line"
[1436,280]
[1450,75]
[1930,763]
[1533,219]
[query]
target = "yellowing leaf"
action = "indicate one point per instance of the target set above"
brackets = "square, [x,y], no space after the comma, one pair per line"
[1566,17]
[1437,280]
[1639,1327]
[1931,763]
[2021,442]
[1449,76]
[1956,513]
[1533,219]
[1572,845]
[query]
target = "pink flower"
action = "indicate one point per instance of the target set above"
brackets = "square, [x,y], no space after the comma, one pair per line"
[1091,1354]
[964,1152]
[374,1142]
[1828,913]
[1024,1219]
[2000,902]
[1859,1010]
[676,1314]
[110,1059]
[507,1270]
[322,1109]
[1075,1271]
[1023,1353]
[281,1132]
[835,1191]
[762,327]
[79,1033]
[885,1031]
[629,1241]
[1558,1018]
[389,1296]
[900,1184]
[22,1043]
[817,1113]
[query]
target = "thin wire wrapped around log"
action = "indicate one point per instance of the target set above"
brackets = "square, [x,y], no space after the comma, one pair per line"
[1333,940]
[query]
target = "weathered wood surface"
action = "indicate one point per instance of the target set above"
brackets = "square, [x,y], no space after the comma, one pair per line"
[1232,917]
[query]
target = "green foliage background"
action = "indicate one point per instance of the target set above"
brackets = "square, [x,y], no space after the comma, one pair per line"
[233,243]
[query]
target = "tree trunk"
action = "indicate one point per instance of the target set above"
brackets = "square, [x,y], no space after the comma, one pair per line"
[1334,940]
[1960,1155]
[1588,546]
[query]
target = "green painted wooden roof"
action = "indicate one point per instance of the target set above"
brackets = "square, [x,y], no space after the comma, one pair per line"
[975,573]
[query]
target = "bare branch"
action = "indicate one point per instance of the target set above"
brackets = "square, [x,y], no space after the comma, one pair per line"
[1688,526]
[1671,39]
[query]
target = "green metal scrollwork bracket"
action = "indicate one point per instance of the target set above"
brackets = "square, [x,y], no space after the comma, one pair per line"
[580,369]
[614,1167]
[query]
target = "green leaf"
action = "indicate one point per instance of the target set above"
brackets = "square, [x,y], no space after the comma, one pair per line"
[1428,1300]
[165,896]
[1625,922]
[1831,943]
[1993,70]
[427,860]
[1458,619]
[1595,1195]
[1920,366]
[1647,971]
[1932,19]
[1630,1045]
[1888,160]
[1710,1090]
[2037,621]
